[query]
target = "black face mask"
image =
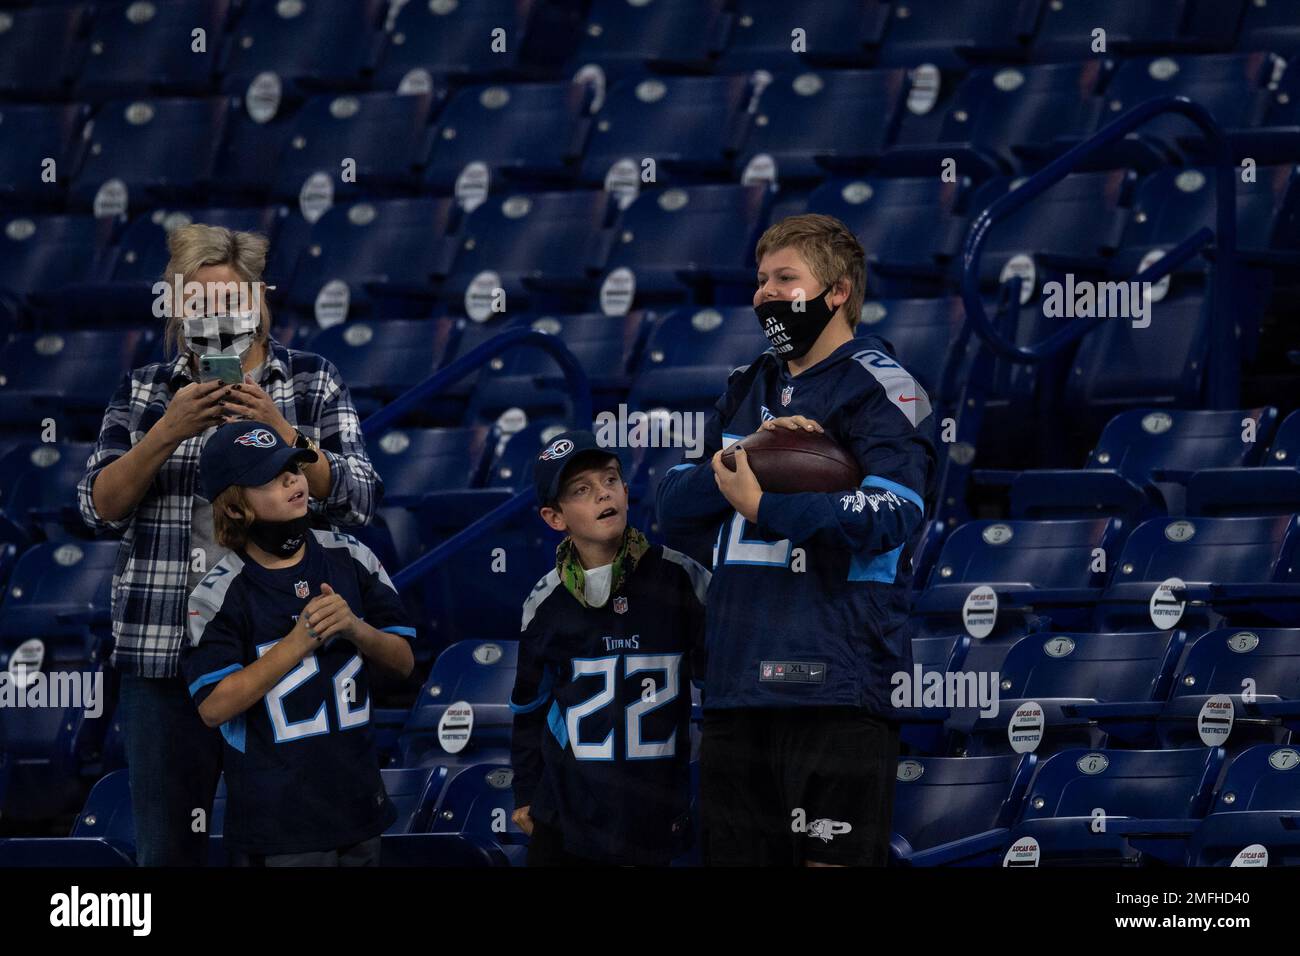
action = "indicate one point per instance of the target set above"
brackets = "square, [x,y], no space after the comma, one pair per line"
[280,538]
[790,333]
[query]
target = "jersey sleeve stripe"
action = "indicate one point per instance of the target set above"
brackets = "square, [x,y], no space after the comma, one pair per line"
[700,577]
[543,694]
[214,677]
[398,629]
[901,490]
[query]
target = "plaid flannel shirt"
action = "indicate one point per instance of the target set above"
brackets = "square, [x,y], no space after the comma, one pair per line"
[149,592]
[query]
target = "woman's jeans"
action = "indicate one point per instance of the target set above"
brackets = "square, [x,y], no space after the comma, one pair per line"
[173,764]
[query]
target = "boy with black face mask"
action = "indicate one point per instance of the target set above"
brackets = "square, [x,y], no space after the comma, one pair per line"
[808,608]
[282,632]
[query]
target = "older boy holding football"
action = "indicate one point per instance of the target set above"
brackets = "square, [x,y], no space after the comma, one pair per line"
[808,606]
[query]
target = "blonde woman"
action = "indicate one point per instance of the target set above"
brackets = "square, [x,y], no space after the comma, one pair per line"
[141,481]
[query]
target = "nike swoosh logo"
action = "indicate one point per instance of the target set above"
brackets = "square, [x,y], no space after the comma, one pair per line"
[914,398]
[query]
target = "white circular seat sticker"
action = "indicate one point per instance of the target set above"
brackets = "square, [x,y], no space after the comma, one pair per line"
[1254,855]
[980,611]
[1023,852]
[111,199]
[26,662]
[472,185]
[1166,608]
[617,291]
[332,303]
[1214,722]
[316,196]
[479,295]
[455,725]
[1025,730]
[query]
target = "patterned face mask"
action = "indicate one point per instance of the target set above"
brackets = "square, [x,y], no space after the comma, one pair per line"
[220,334]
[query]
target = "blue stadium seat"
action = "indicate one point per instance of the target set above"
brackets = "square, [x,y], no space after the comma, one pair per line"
[528,378]
[689,126]
[309,46]
[158,150]
[1256,804]
[620,36]
[361,254]
[1271,488]
[33,134]
[673,238]
[1065,31]
[430,41]
[102,836]
[1000,119]
[41,48]
[419,462]
[382,358]
[1269,26]
[521,132]
[921,728]
[1118,366]
[1258,667]
[55,617]
[383,135]
[69,374]
[480,673]
[799,122]
[41,254]
[1038,564]
[38,494]
[1142,464]
[1076,678]
[478,802]
[1229,567]
[258,131]
[956,810]
[908,227]
[525,244]
[1172,204]
[1143,792]
[690,352]
[951,33]
[1233,87]
[761,34]
[148,49]
[1075,224]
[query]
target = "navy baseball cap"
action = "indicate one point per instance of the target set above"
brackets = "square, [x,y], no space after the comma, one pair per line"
[244,453]
[558,455]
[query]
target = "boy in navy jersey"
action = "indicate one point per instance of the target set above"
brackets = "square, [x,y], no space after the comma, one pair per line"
[808,609]
[602,700]
[282,632]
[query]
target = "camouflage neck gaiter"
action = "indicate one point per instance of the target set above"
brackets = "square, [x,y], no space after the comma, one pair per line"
[634,545]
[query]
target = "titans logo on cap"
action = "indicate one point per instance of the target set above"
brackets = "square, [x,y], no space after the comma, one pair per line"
[558,449]
[257,438]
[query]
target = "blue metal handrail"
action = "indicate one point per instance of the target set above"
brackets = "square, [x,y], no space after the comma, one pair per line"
[384,419]
[574,375]
[1224,373]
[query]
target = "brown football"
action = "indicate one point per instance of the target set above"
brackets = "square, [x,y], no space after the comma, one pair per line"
[786,461]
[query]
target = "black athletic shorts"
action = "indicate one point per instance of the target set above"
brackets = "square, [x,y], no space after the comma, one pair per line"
[781,787]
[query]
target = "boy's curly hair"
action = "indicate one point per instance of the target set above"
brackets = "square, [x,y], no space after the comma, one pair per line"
[830,249]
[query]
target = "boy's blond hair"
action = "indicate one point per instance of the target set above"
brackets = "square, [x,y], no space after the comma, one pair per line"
[831,251]
[231,532]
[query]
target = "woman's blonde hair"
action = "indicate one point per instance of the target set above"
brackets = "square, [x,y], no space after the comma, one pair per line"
[197,245]
[231,532]
[830,249]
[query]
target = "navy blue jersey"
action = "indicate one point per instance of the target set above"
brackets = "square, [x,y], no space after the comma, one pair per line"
[300,765]
[601,746]
[810,606]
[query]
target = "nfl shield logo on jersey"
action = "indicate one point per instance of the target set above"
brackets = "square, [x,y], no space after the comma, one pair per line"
[787,393]
[620,605]
[300,589]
